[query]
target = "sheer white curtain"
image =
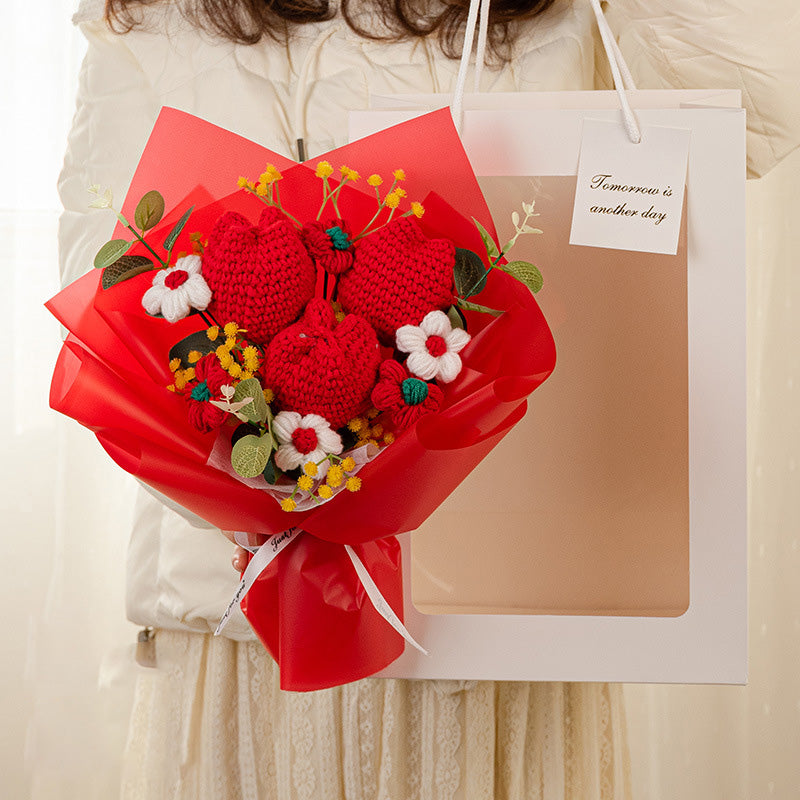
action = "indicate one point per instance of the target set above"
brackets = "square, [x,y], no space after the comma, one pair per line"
[737,743]
[64,505]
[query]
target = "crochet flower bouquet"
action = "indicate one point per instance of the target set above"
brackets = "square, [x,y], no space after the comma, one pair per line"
[319,355]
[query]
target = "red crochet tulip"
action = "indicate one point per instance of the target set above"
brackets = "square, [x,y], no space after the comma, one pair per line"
[260,275]
[209,378]
[317,366]
[397,277]
[329,244]
[405,397]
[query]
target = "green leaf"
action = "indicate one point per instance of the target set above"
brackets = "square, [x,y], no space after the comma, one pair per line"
[197,341]
[271,473]
[488,242]
[525,273]
[250,455]
[149,211]
[469,273]
[256,411]
[110,252]
[468,306]
[124,268]
[456,318]
[169,242]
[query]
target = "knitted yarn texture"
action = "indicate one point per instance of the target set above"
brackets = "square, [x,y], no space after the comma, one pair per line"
[260,275]
[317,366]
[329,244]
[398,276]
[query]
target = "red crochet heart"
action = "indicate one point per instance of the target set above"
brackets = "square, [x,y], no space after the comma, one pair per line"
[397,277]
[317,366]
[260,276]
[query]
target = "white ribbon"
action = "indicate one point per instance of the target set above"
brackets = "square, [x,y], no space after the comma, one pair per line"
[379,601]
[266,553]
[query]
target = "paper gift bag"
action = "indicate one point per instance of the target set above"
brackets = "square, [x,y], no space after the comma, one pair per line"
[606,538]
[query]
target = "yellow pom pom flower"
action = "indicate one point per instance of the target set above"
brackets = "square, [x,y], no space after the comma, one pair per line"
[262,190]
[335,475]
[348,173]
[353,484]
[174,363]
[269,395]
[392,200]
[399,175]
[189,374]
[235,370]
[375,180]
[171,387]
[213,333]
[324,169]
[231,329]
[417,209]
[305,483]
[325,492]
[288,504]
[251,360]
[242,182]
[310,469]
[356,424]
[270,174]
[349,464]
[194,356]
[180,379]
[388,438]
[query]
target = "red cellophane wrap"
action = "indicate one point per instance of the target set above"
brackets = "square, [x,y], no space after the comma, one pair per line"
[308,607]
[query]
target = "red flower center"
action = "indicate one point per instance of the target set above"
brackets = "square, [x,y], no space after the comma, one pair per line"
[436,346]
[176,278]
[304,440]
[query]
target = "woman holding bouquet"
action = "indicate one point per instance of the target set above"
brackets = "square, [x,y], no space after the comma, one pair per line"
[209,720]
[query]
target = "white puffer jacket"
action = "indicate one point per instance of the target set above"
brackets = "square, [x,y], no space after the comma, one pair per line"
[180,576]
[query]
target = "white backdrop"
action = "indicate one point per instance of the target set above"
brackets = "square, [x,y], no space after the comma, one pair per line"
[64,683]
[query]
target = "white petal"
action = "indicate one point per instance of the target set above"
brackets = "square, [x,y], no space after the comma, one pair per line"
[449,367]
[423,365]
[191,264]
[151,299]
[410,338]
[175,305]
[285,424]
[287,457]
[322,468]
[436,323]
[457,340]
[329,441]
[197,292]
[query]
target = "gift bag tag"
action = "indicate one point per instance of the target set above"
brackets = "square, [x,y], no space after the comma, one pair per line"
[629,195]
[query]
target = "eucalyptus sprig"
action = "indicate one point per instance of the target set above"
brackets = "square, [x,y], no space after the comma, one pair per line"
[470,275]
[149,212]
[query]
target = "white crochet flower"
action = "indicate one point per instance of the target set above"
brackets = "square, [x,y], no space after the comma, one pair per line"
[433,346]
[303,439]
[177,290]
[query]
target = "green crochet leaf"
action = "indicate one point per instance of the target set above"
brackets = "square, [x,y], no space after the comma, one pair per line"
[525,273]
[256,411]
[149,211]
[124,268]
[469,273]
[110,252]
[488,242]
[172,236]
[467,305]
[250,455]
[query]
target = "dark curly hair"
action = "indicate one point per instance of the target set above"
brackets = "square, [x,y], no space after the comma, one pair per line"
[249,21]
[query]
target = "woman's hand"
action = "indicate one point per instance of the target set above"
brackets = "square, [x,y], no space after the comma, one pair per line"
[240,555]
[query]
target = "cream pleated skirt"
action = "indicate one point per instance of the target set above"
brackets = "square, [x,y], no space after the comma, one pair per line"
[210,723]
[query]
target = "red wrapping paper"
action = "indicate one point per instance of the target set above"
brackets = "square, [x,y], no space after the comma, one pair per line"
[308,607]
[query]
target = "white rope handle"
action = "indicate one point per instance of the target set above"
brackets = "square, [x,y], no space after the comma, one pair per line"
[457,106]
[619,69]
